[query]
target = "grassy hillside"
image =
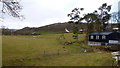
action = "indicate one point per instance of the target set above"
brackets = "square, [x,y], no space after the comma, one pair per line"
[48,50]
[52,29]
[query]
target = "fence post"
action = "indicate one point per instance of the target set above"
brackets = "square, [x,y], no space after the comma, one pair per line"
[58,52]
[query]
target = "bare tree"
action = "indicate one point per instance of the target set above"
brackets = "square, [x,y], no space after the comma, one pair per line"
[12,8]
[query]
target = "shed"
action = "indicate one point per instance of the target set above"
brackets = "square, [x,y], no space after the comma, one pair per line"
[104,38]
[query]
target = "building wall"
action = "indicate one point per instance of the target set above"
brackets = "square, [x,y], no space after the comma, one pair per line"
[94,43]
[98,40]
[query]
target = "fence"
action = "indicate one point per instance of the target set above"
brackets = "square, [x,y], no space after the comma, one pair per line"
[47,53]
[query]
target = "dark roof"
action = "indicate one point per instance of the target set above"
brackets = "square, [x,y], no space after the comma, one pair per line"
[101,33]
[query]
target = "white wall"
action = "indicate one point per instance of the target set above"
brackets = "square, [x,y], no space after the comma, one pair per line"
[94,43]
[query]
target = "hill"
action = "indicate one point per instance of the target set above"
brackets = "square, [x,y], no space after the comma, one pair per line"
[52,28]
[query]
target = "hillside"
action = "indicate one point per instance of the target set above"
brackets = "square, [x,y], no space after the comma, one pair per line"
[52,28]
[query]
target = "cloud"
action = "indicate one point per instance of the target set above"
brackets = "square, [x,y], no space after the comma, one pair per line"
[54,20]
[14,24]
[91,5]
[44,12]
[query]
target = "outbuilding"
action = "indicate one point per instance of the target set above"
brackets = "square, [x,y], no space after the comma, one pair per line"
[104,38]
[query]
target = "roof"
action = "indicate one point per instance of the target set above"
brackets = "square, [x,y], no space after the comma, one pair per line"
[101,33]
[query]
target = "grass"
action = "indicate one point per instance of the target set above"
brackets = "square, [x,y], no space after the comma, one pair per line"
[47,50]
[48,32]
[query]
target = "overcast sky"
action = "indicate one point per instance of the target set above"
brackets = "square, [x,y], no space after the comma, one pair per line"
[43,12]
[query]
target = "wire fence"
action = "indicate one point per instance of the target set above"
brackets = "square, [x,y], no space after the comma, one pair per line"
[58,52]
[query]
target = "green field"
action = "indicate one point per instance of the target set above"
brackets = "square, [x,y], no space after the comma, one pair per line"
[48,50]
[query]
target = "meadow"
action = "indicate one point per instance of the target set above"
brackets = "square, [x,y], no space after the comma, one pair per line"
[49,50]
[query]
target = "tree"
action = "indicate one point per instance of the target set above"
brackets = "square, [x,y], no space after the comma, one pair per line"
[92,21]
[75,17]
[12,8]
[96,21]
[75,14]
[103,15]
[98,18]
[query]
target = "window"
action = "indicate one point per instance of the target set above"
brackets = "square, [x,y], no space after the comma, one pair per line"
[97,37]
[91,37]
[103,37]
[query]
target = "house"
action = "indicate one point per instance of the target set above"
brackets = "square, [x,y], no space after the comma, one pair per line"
[104,38]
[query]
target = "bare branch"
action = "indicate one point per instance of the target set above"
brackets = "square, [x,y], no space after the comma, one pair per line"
[12,8]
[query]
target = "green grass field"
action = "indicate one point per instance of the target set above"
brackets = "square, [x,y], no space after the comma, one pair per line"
[48,50]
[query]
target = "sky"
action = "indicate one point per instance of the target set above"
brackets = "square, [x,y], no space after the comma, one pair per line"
[44,12]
